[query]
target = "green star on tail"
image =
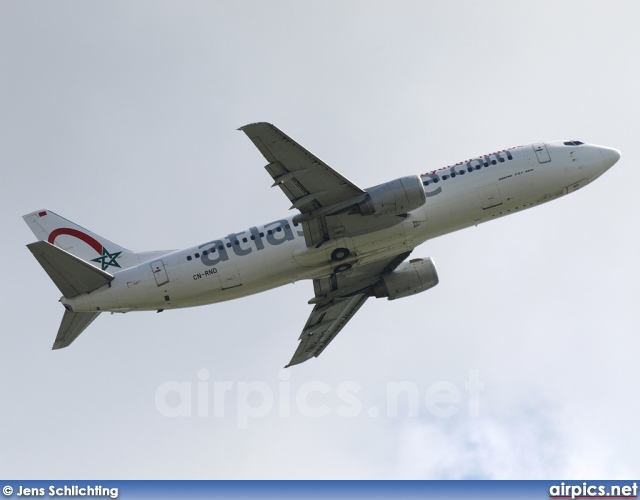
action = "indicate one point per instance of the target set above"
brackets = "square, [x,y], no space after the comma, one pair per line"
[107,259]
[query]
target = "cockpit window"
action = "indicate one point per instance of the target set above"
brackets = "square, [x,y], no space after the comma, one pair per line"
[573,143]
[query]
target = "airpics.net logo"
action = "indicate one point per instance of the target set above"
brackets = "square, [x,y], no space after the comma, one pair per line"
[587,490]
[249,401]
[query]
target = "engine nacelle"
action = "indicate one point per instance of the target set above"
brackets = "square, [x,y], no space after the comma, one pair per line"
[394,198]
[408,278]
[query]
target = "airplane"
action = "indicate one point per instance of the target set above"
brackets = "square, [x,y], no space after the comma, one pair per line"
[352,242]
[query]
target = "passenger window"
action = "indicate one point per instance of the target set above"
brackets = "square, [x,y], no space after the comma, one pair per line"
[188,257]
[197,255]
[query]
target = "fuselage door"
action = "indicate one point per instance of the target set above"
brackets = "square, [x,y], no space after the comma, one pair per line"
[159,272]
[489,196]
[229,276]
[541,152]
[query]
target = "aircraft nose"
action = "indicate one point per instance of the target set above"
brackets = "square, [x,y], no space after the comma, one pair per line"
[609,156]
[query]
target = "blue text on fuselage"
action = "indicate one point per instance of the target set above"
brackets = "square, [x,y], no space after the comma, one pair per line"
[245,242]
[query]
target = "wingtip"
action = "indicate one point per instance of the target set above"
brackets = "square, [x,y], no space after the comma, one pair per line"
[246,126]
[254,124]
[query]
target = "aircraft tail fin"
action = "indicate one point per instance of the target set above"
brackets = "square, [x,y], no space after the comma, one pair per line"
[72,275]
[72,325]
[84,244]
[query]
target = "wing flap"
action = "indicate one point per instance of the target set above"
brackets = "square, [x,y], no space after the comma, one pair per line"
[72,275]
[72,325]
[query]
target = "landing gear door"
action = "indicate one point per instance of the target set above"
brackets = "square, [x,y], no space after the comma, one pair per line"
[159,272]
[541,152]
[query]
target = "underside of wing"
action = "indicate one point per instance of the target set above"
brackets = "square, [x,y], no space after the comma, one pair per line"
[307,181]
[324,323]
[337,298]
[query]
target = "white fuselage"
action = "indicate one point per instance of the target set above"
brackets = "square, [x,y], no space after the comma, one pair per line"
[274,254]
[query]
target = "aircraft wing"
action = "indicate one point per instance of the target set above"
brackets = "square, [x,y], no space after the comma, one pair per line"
[337,298]
[308,182]
[323,325]
[312,186]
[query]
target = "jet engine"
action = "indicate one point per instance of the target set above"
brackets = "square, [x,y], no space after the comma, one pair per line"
[408,278]
[393,198]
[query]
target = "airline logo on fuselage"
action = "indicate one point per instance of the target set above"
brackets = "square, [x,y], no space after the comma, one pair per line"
[463,167]
[244,243]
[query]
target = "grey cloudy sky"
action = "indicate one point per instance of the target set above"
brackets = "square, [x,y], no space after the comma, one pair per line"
[122,117]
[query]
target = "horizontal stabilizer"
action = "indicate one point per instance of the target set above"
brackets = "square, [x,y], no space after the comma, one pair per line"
[73,324]
[72,275]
